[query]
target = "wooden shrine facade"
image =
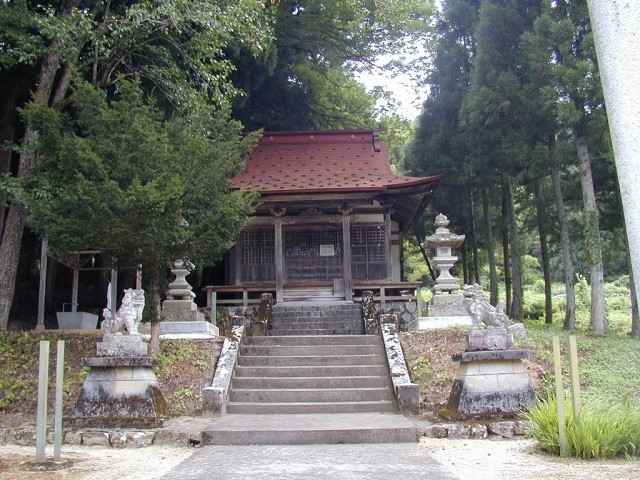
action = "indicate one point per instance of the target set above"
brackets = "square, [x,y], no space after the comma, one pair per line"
[330,216]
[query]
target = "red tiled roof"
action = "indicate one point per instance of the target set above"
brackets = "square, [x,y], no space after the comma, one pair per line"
[321,162]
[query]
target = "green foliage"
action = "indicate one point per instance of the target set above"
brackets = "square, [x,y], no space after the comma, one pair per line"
[318,46]
[618,302]
[604,429]
[422,372]
[119,177]
[415,267]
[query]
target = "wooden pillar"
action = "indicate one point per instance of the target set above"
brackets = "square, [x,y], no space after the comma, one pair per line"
[238,262]
[114,289]
[387,242]
[279,257]
[42,292]
[74,289]
[346,253]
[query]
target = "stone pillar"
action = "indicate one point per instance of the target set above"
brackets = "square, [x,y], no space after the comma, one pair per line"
[616,32]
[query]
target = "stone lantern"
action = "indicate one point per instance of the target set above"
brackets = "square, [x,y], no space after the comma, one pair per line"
[444,242]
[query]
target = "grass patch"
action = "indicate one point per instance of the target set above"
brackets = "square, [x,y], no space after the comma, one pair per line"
[604,429]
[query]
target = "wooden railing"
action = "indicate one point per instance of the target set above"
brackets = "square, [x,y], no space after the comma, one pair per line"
[383,292]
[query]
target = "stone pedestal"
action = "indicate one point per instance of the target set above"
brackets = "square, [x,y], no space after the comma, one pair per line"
[443,311]
[121,389]
[489,384]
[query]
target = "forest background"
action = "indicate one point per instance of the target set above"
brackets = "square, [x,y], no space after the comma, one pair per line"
[514,120]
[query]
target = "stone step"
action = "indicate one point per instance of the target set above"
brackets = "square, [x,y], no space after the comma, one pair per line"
[319,325]
[290,408]
[299,312]
[292,429]
[304,361]
[311,371]
[307,331]
[310,395]
[311,382]
[294,309]
[314,340]
[308,350]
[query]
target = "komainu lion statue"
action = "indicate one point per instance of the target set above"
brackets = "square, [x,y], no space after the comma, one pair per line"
[481,311]
[128,316]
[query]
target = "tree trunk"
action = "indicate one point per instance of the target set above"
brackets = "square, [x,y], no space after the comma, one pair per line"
[569,271]
[635,318]
[516,271]
[505,252]
[544,252]
[493,276]
[17,214]
[592,238]
[474,241]
[155,305]
[465,265]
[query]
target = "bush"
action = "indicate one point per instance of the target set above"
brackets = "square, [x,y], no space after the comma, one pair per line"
[603,429]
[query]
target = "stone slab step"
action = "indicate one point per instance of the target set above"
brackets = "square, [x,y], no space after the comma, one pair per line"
[306,331]
[307,395]
[293,314]
[304,361]
[311,382]
[321,325]
[308,350]
[314,340]
[310,429]
[311,407]
[311,371]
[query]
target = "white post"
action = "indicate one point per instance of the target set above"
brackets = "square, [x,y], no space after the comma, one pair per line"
[616,31]
[57,431]
[43,388]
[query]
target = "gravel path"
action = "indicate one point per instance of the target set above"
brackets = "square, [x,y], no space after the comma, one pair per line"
[462,459]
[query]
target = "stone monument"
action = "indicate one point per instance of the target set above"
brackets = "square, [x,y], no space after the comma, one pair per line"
[446,308]
[491,381]
[121,389]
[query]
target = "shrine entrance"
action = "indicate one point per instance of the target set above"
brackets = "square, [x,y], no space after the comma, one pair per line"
[313,255]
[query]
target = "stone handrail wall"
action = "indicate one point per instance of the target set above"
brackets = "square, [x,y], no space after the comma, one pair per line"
[214,396]
[407,393]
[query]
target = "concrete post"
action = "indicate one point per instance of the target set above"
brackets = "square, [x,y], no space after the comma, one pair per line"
[616,31]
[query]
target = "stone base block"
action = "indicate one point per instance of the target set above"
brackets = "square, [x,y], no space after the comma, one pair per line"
[183,328]
[491,338]
[77,321]
[119,393]
[485,389]
[430,323]
[447,306]
[408,397]
[122,346]
[213,402]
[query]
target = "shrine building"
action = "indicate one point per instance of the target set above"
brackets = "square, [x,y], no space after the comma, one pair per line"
[329,222]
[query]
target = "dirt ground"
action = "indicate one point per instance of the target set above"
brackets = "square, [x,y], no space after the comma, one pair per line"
[466,459]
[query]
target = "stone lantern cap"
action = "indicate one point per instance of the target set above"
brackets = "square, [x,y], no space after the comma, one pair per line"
[442,236]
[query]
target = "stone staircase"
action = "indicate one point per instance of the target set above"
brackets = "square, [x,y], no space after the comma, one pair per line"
[316,319]
[316,379]
[311,374]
